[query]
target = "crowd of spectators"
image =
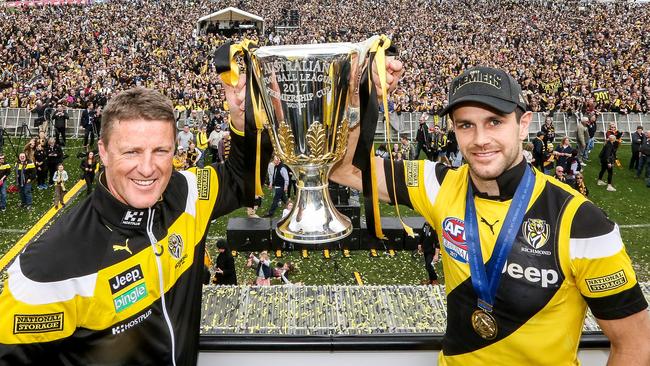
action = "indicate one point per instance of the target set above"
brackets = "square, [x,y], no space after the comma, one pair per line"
[566,55]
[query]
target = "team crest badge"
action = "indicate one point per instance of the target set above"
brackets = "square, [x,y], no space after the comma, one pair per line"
[536,232]
[175,245]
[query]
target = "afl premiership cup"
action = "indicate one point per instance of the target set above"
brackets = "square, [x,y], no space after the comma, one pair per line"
[309,97]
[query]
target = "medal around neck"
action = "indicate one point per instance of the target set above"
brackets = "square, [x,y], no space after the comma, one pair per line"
[485,279]
[308,94]
[484,324]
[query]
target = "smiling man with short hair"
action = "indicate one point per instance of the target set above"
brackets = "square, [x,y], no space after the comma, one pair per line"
[117,279]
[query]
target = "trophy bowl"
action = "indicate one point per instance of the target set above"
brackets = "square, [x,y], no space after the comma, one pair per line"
[306,92]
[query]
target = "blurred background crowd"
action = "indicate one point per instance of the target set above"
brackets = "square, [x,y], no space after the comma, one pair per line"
[567,56]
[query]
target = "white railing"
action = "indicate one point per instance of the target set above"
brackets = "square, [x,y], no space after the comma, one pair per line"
[565,124]
[19,122]
[12,121]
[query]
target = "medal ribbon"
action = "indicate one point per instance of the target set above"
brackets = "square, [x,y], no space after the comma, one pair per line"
[486,281]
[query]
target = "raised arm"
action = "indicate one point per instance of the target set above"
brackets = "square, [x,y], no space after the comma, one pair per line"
[344,172]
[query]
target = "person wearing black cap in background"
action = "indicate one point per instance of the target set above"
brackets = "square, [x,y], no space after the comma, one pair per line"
[225,273]
[522,252]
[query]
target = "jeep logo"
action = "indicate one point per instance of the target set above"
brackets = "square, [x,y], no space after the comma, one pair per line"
[124,279]
[544,276]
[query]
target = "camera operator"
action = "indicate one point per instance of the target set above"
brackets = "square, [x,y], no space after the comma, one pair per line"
[60,118]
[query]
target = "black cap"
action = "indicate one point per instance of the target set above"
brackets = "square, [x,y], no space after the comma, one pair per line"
[485,85]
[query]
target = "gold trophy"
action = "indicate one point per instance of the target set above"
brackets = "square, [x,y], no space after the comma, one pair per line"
[309,95]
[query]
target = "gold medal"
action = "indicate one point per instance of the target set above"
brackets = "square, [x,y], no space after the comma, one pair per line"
[484,324]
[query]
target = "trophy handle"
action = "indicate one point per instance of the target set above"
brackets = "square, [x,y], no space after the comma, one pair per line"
[364,46]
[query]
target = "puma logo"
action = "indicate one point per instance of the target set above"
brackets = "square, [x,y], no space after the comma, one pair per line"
[122,247]
[488,224]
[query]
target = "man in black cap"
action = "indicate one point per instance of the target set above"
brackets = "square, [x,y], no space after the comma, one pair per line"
[522,252]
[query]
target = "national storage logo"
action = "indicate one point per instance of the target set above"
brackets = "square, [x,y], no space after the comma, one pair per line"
[606,283]
[130,297]
[38,323]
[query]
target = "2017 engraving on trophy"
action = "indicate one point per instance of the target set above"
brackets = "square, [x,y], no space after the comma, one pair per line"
[289,81]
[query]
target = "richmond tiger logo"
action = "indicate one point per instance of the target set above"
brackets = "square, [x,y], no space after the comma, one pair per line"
[536,232]
[175,245]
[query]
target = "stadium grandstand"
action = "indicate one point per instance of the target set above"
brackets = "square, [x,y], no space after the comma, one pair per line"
[568,56]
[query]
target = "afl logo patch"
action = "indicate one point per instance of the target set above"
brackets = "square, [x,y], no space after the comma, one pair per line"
[536,232]
[453,238]
[175,246]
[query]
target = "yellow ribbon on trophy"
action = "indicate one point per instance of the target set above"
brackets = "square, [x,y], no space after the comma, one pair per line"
[226,64]
[379,47]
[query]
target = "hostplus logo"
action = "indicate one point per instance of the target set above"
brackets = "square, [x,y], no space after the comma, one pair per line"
[127,325]
[133,218]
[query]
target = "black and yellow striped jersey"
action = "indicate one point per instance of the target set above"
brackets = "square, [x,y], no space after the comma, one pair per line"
[5,170]
[111,284]
[567,255]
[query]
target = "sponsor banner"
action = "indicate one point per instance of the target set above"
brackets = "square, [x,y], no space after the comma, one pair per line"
[38,323]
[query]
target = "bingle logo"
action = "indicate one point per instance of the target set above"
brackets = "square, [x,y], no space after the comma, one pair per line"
[130,297]
[133,218]
[124,279]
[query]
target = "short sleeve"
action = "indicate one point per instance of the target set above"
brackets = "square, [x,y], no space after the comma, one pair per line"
[602,269]
[417,182]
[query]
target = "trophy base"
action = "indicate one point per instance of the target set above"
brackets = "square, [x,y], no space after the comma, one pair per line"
[314,220]
[337,230]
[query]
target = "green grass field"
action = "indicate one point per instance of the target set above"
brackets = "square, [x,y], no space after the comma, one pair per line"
[627,206]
